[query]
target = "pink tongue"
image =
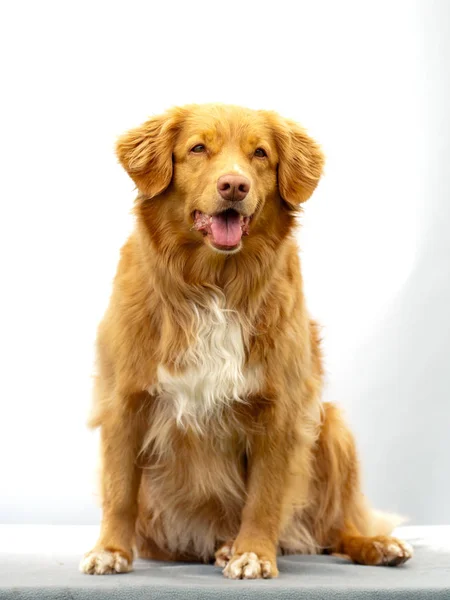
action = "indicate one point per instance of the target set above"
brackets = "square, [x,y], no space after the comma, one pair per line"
[226,229]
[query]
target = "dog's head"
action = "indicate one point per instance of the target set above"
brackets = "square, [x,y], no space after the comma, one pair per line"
[223,171]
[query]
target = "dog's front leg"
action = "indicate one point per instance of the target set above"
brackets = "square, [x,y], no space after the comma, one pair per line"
[254,551]
[120,444]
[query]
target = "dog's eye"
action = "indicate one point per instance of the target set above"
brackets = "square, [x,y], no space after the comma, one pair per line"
[198,148]
[260,152]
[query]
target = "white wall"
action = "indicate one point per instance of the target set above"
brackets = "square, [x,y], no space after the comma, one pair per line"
[369,81]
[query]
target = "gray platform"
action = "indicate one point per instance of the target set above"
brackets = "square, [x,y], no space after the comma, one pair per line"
[40,562]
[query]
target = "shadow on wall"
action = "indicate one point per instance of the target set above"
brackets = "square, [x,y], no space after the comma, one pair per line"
[406,370]
[396,386]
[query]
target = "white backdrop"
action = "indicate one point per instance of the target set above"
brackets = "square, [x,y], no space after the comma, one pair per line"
[369,80]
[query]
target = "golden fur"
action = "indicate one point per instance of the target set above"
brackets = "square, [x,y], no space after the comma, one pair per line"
[213,435]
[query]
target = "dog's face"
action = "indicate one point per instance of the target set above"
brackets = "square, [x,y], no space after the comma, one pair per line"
[221,168]
[225,169]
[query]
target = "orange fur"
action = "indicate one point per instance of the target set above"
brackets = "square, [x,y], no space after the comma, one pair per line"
[251,455]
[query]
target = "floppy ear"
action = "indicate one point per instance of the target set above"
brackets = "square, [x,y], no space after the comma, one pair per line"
[146,152]
[301,161]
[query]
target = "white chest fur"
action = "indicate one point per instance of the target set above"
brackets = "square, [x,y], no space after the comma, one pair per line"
[213,374]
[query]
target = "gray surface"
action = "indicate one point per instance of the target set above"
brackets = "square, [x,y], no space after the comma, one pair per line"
[53,574]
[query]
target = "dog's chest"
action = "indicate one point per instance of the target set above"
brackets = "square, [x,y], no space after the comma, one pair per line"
[213,374]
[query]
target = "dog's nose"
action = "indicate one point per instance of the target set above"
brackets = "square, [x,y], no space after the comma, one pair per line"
[233,187]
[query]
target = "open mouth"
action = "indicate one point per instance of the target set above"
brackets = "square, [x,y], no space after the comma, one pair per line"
[224,230]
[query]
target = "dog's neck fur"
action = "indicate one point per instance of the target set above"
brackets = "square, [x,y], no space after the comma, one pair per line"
[184,277]
[184,267]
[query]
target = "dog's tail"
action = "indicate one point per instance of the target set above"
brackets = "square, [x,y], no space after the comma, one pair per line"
[384,523]
[371,522]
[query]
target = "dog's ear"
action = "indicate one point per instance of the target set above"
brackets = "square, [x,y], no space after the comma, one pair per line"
[146,152]
[300,160]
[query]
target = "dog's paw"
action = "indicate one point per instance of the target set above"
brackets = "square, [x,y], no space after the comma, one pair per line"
[223,555]
[104,562]
[381,551]
[250,566]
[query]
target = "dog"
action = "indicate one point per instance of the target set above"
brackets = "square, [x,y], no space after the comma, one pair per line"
[215,444]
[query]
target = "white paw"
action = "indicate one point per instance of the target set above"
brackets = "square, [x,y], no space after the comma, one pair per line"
[104,562]
[249,566]
[396,552]
[223,555]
